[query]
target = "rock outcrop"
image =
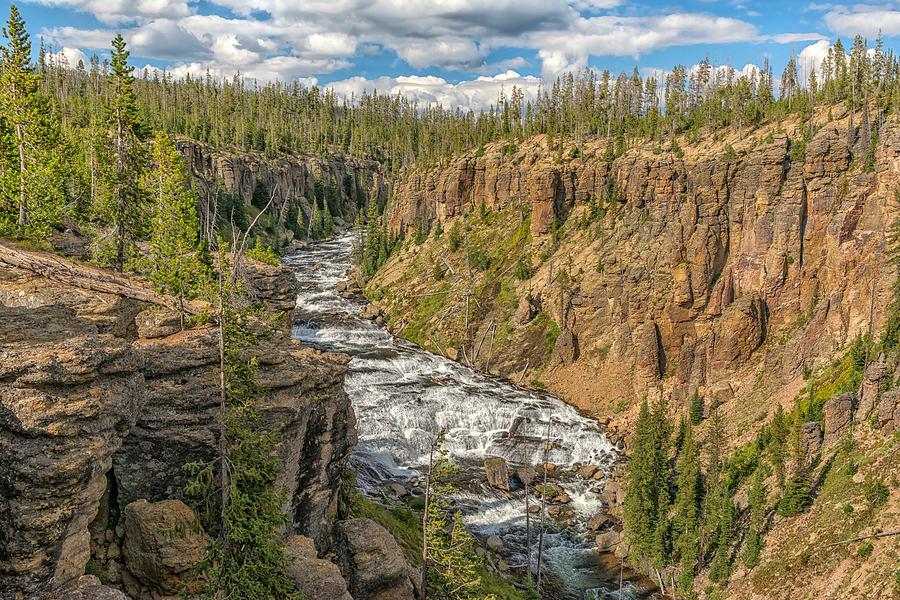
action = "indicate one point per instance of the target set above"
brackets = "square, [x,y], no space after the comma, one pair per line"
[316,578]
[684,273]
[290,180]
[372,562]
[163,541]
[95,416]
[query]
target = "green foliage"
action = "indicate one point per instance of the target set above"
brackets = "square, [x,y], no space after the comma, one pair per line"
[523,269]
[260,197]
[696,411]
[647,496]
[241,505]
[479,259]
[174,262]
[376,248]
[877,492]
[454,236]
[753,541]
[865,550]
[263,253]
[33,163]
[795,499]
[454,570]
[686,520]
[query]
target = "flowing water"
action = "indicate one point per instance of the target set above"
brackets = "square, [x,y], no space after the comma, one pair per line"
[403,396]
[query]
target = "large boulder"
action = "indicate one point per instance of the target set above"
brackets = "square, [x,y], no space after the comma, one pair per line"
[497,472]
[372,562]
[566,347]
[889,412]
[839,416]
[316,578]
[163,542]
[810,441]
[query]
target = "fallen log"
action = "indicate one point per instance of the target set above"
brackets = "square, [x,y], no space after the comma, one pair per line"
[863,537]
[85,278]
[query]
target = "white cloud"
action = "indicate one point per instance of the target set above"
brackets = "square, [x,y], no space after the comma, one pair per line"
[475,94]
[864,19]
[68,57]
[123,11]
[634,36]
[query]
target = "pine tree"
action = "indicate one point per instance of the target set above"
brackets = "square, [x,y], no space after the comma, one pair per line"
[19,89]
[260,197]
[127,131]
[757,501]
[779,429]
[647,495]
[686,521]
[174,244]
[696,408]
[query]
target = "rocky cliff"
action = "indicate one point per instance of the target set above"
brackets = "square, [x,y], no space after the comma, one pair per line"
[290,179]
[739,268]
[744,254]
[103,399]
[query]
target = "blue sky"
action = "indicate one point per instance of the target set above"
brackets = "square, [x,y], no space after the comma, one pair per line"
[457,52]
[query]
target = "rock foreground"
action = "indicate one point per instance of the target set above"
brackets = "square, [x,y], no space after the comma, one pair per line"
[103,400]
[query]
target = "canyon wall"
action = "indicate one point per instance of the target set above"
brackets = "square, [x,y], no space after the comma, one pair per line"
[290,179]
[103,400]
[687,271]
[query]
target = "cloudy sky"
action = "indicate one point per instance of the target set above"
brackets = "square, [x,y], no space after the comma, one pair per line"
[457,52]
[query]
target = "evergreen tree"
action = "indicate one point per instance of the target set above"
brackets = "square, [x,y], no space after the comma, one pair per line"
[34,175]
[454,570]
[647,494]
[126,133]
[757,501]
[174,265]
[19,89]
[696,408]
[260,197]
[241,504]
[779,429]
[686,521]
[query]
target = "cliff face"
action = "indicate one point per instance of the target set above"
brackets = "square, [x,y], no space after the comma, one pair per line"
[740,268]
[290,179]
[103,400]
[683,273]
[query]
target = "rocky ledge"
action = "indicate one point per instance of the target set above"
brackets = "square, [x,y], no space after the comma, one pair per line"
[103,399]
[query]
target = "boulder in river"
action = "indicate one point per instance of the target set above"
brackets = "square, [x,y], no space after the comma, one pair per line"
[587,471]
[608,540]
[494,543]
[497,472]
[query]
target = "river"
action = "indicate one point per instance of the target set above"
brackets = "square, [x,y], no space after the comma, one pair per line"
[403,395]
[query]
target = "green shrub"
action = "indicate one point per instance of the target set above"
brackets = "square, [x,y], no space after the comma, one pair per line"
[263,254]
[876,492]
[454,236]
[480,260]
[865,551]
[524,270]
[795,499]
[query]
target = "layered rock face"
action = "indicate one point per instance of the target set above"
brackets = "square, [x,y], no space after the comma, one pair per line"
[683,272]
[290,179]
[101,404]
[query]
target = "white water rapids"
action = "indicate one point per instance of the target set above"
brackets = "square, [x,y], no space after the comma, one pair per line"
[403,396]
